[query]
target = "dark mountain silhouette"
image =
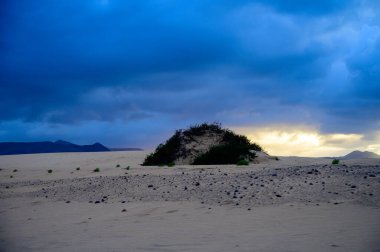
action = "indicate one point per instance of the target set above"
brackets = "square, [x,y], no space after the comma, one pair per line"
[360,154]
[12,148]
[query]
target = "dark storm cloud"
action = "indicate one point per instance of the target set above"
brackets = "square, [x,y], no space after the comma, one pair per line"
[68,64]
[366,70]
[309,7]
[56,52]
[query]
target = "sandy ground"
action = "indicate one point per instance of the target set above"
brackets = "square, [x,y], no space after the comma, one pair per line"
[294,204]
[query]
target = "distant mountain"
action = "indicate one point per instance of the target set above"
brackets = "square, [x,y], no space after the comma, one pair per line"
[360,154]
[12,148]
[126,149]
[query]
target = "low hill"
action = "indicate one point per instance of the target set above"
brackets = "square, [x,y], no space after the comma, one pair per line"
[360,154]
[204,144]
[12,148]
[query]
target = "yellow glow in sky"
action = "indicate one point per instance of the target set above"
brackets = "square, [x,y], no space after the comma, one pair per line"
[306,141]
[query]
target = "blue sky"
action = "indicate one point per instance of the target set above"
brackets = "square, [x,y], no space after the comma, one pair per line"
[128,73]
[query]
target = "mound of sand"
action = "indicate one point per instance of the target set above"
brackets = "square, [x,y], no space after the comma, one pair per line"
[205,144]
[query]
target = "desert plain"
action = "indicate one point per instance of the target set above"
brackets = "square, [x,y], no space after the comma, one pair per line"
[289,204]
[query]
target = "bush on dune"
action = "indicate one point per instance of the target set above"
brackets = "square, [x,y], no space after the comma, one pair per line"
[242,162]
[229,149]
[225,154]
[335,162]
[165,153]
[200,129]
[234,148]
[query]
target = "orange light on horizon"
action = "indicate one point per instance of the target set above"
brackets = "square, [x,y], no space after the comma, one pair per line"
[300,140]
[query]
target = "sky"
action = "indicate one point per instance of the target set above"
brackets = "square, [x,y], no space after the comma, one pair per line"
[298,77]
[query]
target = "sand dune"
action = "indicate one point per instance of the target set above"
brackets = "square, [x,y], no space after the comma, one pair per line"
[294,204]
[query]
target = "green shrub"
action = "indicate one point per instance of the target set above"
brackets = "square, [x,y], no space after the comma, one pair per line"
[117,165]
[240,140]
[200,129]
[50,171]
[335,162]
[171,164]
[128,167]
[242,162]
[235,148]
[225,154]
[96,170]
[165,153]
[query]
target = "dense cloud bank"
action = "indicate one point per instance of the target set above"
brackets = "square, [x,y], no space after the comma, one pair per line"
[102,68]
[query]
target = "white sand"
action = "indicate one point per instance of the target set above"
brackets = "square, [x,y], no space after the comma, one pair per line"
[333,216]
